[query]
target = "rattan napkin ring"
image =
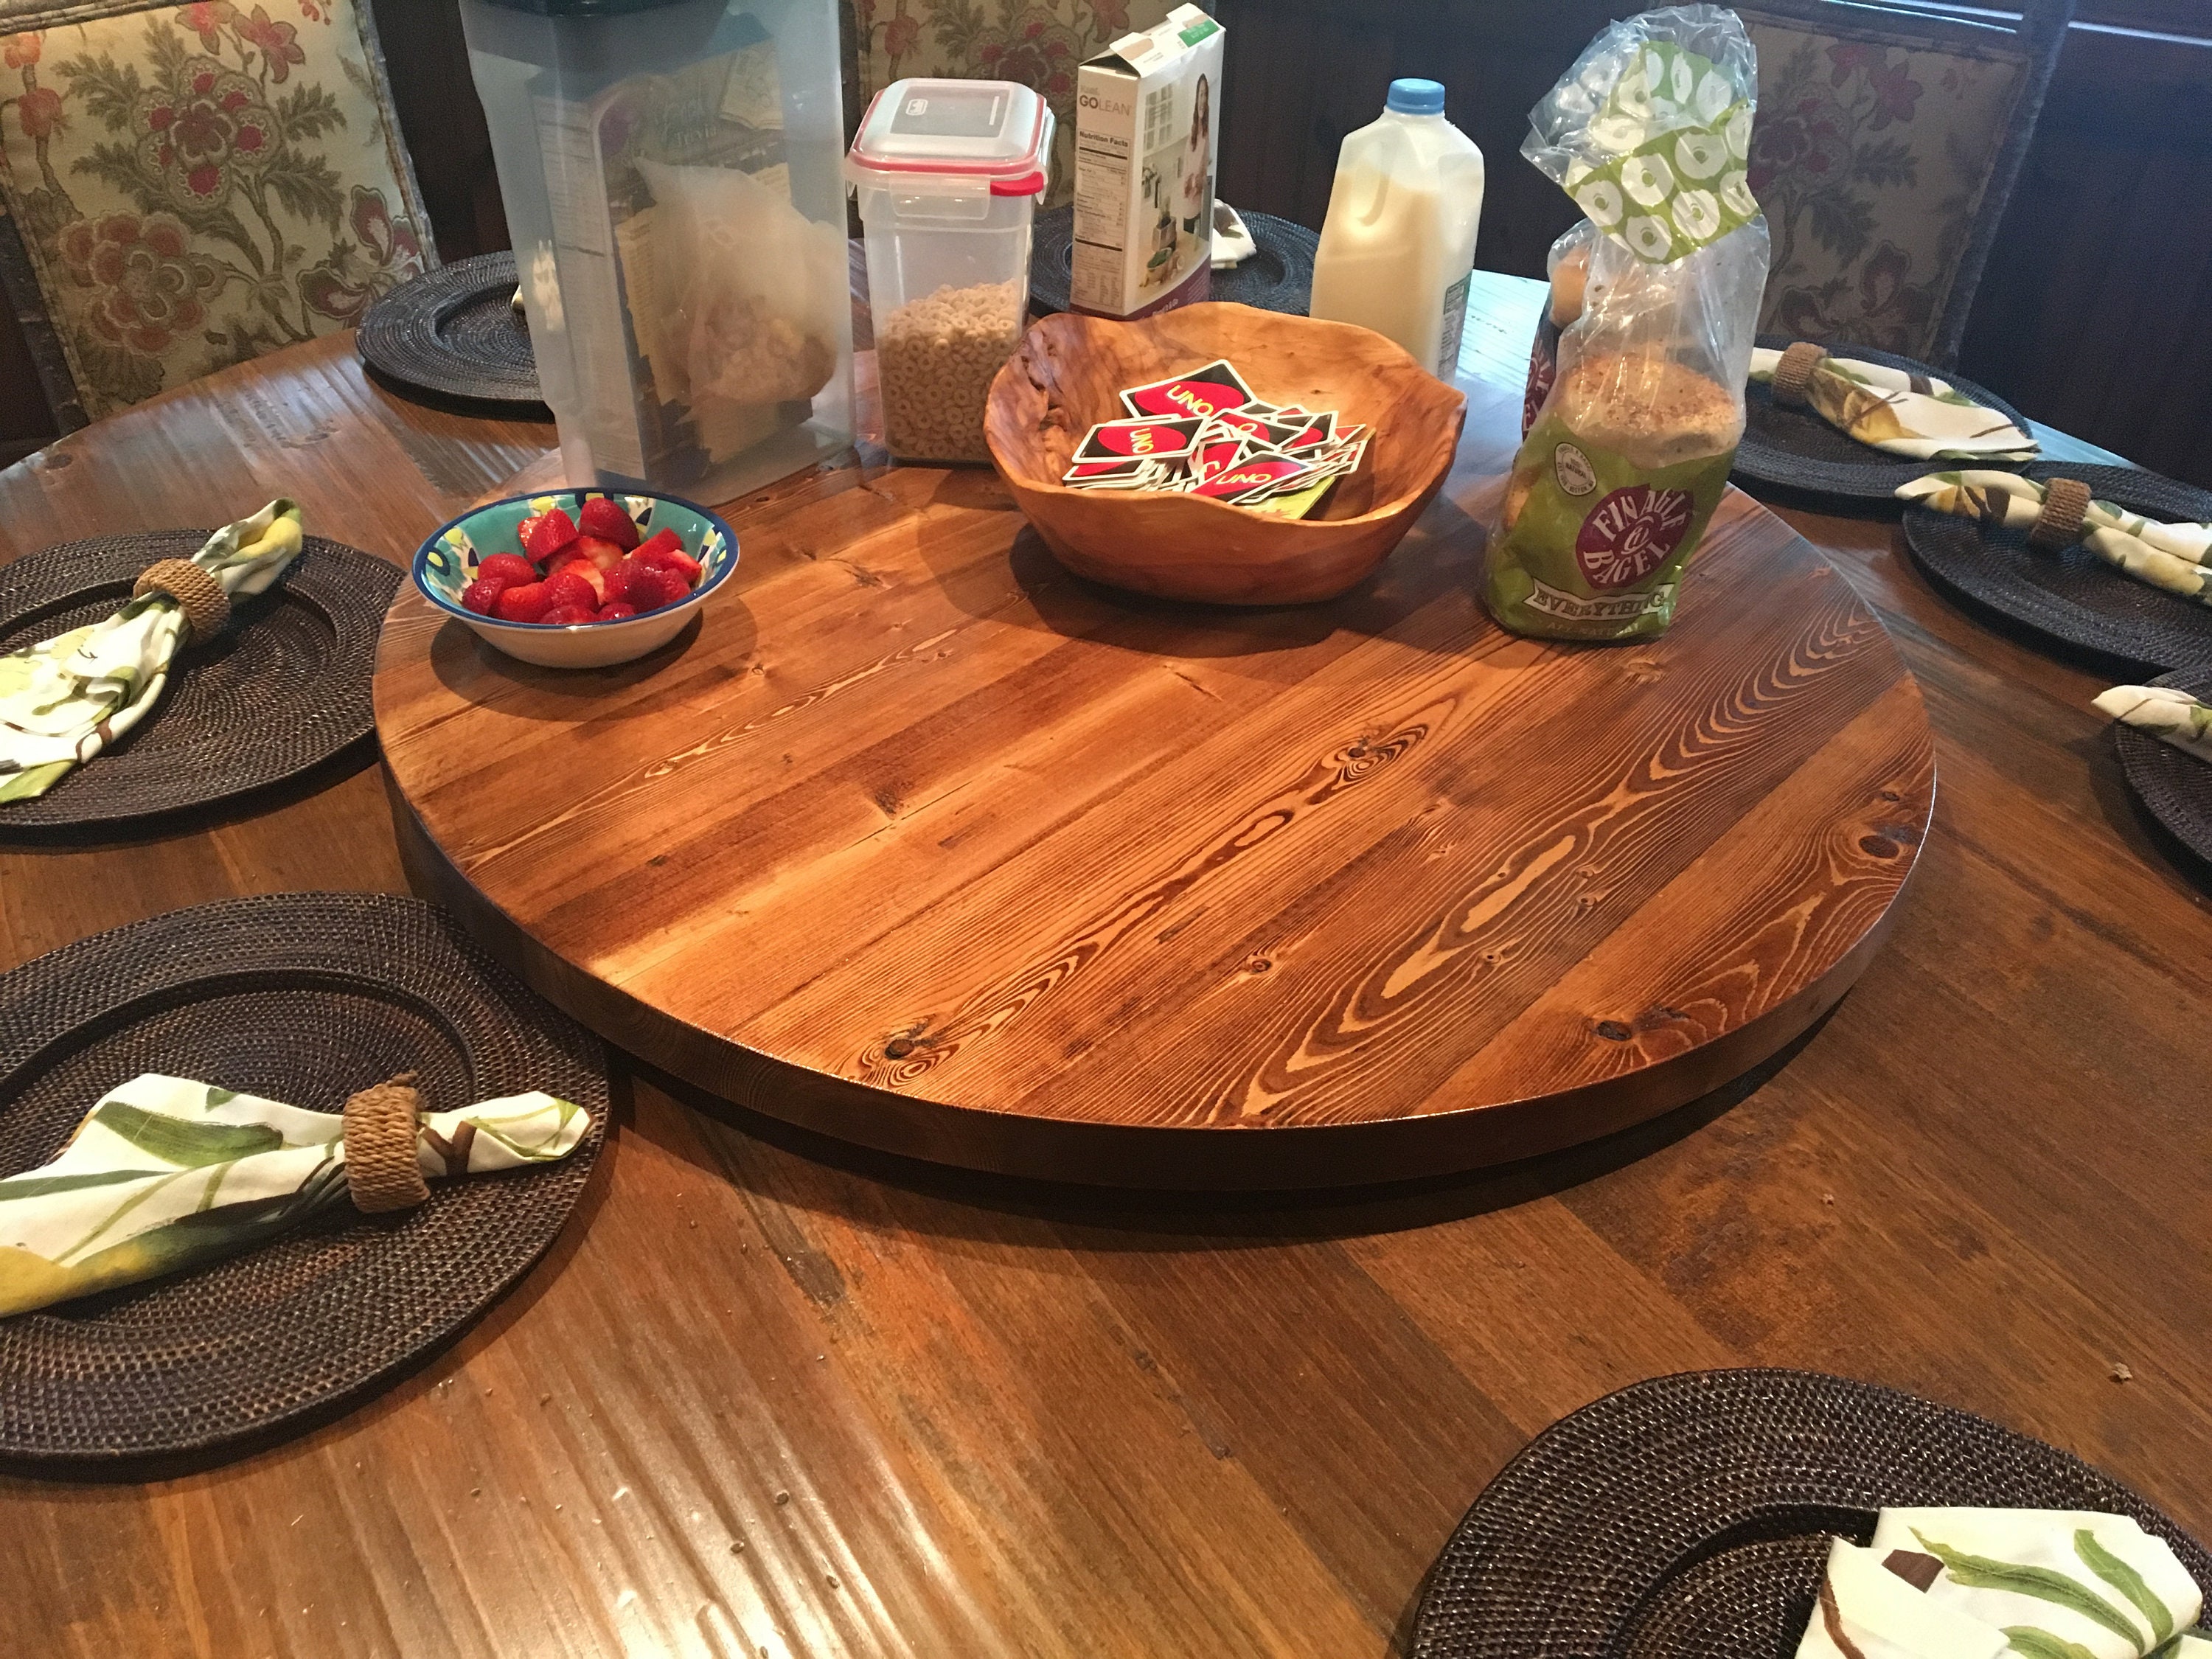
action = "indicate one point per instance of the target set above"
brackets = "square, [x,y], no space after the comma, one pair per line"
[2065,507]
[379,1147]
[1794,373]
[199,596]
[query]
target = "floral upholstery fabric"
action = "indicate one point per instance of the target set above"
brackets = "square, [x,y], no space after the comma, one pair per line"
[199,184]
[1870,161]
[1039,43]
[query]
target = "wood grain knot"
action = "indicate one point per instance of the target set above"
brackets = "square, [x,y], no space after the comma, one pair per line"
[1879,846]
[1613,1031]
[1258,965]
[899,1048]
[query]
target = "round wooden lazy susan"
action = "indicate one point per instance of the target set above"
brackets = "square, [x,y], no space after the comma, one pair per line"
[921,842]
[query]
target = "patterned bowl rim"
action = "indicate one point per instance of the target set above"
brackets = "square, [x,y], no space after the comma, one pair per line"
[580,493]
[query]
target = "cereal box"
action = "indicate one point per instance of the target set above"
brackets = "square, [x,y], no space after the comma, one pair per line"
[1146,140]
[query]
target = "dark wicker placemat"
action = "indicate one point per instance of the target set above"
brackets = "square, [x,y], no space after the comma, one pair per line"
[303,997]
[285,684]
[2175,788]
[1688,1517]
[453,330]
[2073,598]
[1795,448]
[1277,276]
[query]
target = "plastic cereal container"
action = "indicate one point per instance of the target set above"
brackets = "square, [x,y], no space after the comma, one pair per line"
[947,174]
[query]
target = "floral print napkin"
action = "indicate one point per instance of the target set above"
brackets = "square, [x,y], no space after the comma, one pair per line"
[2183,720]
[1916,417]
[165,1174]
[1971,1584]
[64,700]
[2168,555]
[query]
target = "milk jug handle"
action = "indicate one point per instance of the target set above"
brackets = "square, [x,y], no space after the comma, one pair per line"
[1383,168]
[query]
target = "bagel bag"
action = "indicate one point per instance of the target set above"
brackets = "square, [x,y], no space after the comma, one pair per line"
[1627,454]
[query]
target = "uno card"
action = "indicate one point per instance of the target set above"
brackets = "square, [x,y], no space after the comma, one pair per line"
[1297,503]
[1224,450]
[1145,438]
[1113,474]
[1259,477]
[1273,434]
[1112,468]
[1202,391]
[1318,431]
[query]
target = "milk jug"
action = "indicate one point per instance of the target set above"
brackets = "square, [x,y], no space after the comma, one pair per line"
[1398,246]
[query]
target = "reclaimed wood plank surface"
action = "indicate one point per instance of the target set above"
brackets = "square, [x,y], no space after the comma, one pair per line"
[920,840]
[1011,1418]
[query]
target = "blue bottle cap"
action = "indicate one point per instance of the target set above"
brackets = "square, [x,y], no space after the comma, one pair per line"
[1416,97]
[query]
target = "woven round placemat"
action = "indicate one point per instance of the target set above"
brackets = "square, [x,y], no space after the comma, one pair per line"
[285,683]
[303,997]
[455,331]
[2073,598]
[1688,1517]
[2175,789]
[1797,449]
[1278,277]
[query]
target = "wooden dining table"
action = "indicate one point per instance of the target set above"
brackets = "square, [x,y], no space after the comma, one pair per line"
[775,1395]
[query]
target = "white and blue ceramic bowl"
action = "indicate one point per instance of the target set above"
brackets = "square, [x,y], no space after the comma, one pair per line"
[446,563]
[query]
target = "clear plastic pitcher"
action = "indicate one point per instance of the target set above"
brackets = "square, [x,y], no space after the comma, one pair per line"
[670,169]
[947,174]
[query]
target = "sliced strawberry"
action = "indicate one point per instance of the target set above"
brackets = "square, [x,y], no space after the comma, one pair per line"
[565,587]
[603,516]
[650,589]
[549,533]
[509,567]
[482,594]
[566,615]
[618,611]
[599,550]
[526,603]
[665,552]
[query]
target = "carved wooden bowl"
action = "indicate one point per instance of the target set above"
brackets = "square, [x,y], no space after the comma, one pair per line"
[1065,378]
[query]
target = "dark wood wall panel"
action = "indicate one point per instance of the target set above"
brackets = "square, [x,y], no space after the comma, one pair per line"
[2095,313]
[1305,72]
[443,123]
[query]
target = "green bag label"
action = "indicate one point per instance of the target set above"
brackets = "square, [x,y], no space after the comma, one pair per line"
[1597,548]
[1678,138]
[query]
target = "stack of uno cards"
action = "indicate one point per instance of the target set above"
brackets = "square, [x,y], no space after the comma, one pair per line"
[1204,433]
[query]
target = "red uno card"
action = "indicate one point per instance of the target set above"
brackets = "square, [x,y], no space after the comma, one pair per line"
[1260,431]
[1146,438]
[1202,391]
[1317,431]
[1255,477]
[1222,451]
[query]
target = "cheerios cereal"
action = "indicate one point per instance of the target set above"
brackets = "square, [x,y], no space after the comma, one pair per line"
[936,357]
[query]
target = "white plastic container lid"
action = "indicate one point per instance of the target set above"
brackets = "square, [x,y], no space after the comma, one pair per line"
[921,136]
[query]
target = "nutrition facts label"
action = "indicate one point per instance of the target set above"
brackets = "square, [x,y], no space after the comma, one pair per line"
[1102,225]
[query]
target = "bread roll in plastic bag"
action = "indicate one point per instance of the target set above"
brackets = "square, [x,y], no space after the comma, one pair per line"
[1629,449]
[1568,267]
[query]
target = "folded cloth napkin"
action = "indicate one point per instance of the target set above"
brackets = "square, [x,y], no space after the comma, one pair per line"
[65,699]
[2168,555]
[1913,416]
[2045,1583]
[165,1174]
[2183,720]
[1232,242]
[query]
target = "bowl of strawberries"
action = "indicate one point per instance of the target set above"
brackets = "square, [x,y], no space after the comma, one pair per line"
[576,578]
